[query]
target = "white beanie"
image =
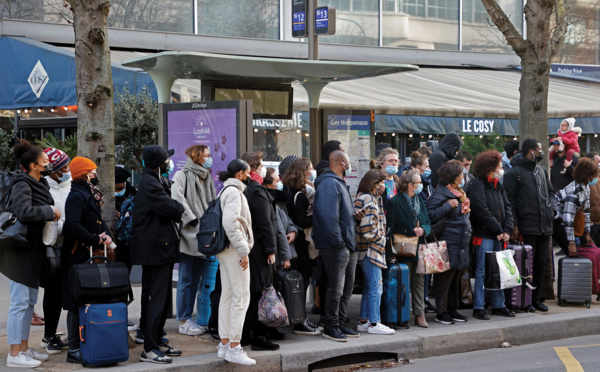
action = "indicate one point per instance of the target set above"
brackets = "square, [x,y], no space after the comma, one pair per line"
[571,122]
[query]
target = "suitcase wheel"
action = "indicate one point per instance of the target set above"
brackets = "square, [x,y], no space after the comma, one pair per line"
[588,304]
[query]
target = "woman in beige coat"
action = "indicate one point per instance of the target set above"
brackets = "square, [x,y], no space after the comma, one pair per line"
[194,188]
[234,263]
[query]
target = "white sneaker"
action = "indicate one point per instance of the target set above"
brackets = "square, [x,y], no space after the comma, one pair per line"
[222,350]
[35,355]
[380,329]
[190,328]
[131,326]
[362,327]
[22,361]
[238,355]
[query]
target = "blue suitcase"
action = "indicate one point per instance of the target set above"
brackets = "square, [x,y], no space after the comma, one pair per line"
[395,300]
[103,334]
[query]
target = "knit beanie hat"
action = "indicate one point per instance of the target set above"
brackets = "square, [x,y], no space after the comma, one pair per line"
[81,166]
[121,174]
[571,122]
[57,158]
[285,163]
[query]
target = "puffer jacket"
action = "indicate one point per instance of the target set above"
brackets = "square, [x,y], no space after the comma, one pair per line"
[285,226]
[449,146]
[491,214]
[531,196]
[236,218]
[457,233]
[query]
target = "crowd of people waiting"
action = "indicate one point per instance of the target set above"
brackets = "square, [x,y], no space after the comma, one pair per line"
[268,216]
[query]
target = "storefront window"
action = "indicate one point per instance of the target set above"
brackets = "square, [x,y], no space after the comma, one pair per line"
[280,138]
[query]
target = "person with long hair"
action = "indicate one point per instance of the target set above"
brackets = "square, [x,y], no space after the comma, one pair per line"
[83,230]
[32,204]
[234,262]
[194,188]
[492,221]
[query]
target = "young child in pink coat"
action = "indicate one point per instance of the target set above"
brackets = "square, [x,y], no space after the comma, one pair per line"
[568,134]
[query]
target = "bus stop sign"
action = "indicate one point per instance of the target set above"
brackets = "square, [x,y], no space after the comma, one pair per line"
[325,20]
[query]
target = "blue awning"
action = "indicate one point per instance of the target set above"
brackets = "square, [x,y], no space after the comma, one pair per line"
[35,74]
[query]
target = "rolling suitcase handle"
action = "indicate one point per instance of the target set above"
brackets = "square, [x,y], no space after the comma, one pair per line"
[91,260]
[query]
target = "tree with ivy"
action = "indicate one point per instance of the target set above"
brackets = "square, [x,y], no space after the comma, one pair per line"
[7,157]
[476,144]
[136,126]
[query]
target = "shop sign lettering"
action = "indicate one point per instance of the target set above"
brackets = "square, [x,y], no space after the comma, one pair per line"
[477,126]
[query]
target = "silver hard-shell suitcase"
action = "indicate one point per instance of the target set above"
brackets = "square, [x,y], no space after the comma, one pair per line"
[574,280]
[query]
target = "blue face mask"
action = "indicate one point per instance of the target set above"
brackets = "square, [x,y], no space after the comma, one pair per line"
[593,182]
[419,189]
[279,186]
[170,170]
[313,176]
[208,163]
[348,172]
[427,173]
[65,177]
[462,183]
[391,170]
[120,193]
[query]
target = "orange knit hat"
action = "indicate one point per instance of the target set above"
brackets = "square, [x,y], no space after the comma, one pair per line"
[81,166]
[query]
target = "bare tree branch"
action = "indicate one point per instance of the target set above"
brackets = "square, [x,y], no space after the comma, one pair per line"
[558,35]
[510,32]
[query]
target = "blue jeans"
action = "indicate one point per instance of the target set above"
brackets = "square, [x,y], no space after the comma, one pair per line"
[20,311]
[497,297]
[372,290]
[191,269]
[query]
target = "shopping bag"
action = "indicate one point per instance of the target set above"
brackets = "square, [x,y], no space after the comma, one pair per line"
[501,271]
[433,257]
[271,309]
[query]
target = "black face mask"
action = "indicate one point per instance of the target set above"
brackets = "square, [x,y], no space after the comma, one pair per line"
[47,170]
[245,182]
[94,181]
[540,157]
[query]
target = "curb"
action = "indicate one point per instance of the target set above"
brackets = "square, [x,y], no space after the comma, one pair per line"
[296,355]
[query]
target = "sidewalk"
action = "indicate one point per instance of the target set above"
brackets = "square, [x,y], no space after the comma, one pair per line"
[297,352]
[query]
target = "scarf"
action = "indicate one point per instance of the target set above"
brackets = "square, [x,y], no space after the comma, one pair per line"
[256,177]
[199,188]
[493,181]
[415,206]
[462,197]
[97,194]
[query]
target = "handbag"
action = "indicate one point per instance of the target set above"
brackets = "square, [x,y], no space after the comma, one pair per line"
[501,271]
[579,223]
[405,246]
[13,233]
[433,257]
[439,227]
[100,283]
[271,309]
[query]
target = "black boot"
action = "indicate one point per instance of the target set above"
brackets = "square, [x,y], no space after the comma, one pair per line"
[429,308]
[261,343]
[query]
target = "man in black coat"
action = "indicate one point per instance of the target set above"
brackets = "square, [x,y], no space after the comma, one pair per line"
[531,197]
[154,245]
[447,150]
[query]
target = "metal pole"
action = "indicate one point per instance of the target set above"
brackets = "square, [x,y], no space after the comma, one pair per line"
[313,39]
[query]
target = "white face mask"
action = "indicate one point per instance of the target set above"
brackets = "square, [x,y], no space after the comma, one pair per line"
[263,172]
[499,174]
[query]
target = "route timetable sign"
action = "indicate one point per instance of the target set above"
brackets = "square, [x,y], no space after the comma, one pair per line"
[324,21]
[299,18]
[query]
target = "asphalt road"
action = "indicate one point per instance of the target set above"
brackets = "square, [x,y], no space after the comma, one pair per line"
[581,354]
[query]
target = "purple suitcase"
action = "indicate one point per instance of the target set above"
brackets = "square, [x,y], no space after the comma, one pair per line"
[519,298]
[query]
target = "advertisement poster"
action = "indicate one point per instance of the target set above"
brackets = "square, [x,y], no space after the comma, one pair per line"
[354,132]
[215,128]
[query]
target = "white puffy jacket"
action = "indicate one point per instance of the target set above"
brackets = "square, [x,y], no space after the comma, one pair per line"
[236,218]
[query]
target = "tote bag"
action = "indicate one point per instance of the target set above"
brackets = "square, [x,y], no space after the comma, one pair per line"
[501,271]
[433,257]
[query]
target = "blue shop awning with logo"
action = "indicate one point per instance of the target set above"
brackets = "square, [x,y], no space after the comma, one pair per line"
[35,74]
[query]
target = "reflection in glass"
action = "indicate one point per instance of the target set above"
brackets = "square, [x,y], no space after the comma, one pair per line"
[357,22]
[479,32]
[257,19]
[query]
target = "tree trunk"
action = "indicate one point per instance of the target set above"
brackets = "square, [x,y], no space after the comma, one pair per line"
[95,126]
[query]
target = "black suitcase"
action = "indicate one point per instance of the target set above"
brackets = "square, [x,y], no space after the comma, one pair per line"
[574,281]
[100,283]
[291,286]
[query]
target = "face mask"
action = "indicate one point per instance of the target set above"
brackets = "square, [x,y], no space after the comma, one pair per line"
[499,174]
[427,173]
[166,172]
[593,181]
[65,177]
[419,189]
[208,163]
[313,176]
[462,183]
[47,169]
[540,157]
[465,171]
[94,181]
[245,182]
[391,170]
[120,193]
[263,172]
[348,171]
[279,186]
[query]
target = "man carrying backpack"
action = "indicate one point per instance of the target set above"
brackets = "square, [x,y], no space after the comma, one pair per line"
[154,245]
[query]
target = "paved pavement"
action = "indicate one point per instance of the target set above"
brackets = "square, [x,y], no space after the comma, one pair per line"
[298,352]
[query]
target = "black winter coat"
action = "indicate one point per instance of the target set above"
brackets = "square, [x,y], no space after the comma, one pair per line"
[491,214]
[155,238]
[264,228]
[560,181]
[457,233]
[531,197]
[449,145]
[83,225]
[31,202]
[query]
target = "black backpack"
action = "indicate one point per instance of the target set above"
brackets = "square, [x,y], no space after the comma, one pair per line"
[211,235]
